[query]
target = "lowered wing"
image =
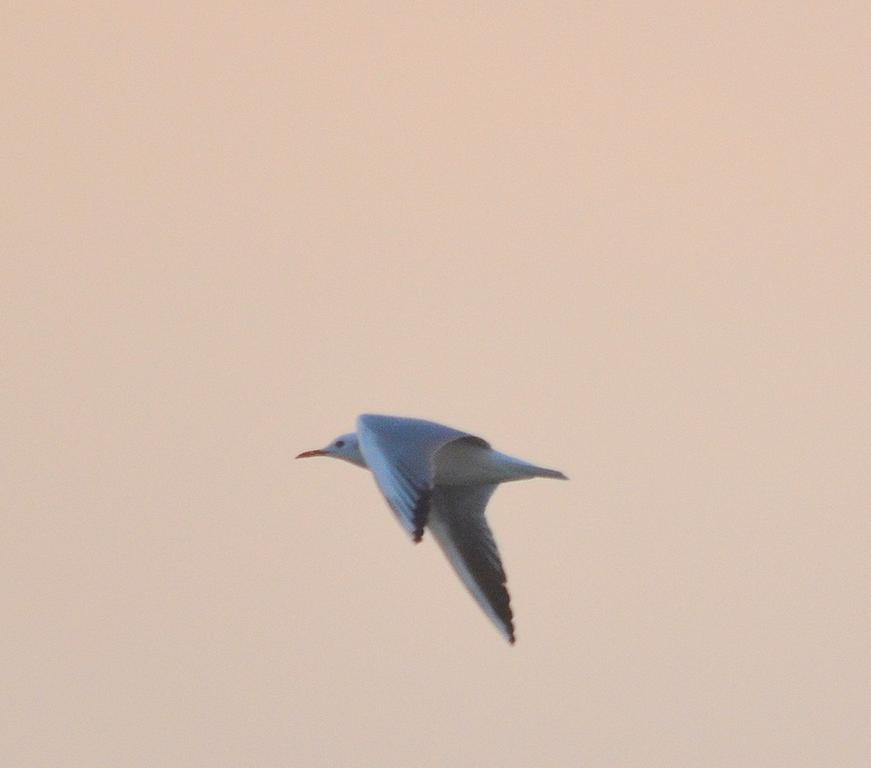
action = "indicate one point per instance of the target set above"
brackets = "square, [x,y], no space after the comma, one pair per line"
[458,524]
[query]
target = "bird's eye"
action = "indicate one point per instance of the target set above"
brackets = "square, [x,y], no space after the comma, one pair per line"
[339,443]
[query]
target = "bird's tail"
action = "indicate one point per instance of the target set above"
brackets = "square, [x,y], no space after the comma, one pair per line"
[554,473]
[507,468]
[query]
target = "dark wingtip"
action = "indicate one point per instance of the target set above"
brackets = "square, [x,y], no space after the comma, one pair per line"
[417,536]
[421,512]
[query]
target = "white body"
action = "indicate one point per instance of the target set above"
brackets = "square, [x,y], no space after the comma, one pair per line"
[463,463]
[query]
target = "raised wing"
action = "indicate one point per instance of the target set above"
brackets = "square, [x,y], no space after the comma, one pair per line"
[458,524]
[400,453]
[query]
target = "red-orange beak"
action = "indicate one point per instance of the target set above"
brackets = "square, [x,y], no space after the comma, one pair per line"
[307,454]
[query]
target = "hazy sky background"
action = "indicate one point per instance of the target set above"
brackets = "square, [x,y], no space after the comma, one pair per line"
[628,241]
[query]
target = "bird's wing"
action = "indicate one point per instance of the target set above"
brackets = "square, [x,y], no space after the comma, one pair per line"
[400,453]
[458,524]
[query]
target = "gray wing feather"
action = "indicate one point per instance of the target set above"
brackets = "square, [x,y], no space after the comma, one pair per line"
[458,524]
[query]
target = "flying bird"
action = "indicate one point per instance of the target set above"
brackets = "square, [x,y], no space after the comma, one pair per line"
[440,478]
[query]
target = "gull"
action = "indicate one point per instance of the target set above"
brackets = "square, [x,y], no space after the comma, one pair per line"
[441,478]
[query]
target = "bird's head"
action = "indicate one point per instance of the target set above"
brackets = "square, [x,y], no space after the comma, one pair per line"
[345,447]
